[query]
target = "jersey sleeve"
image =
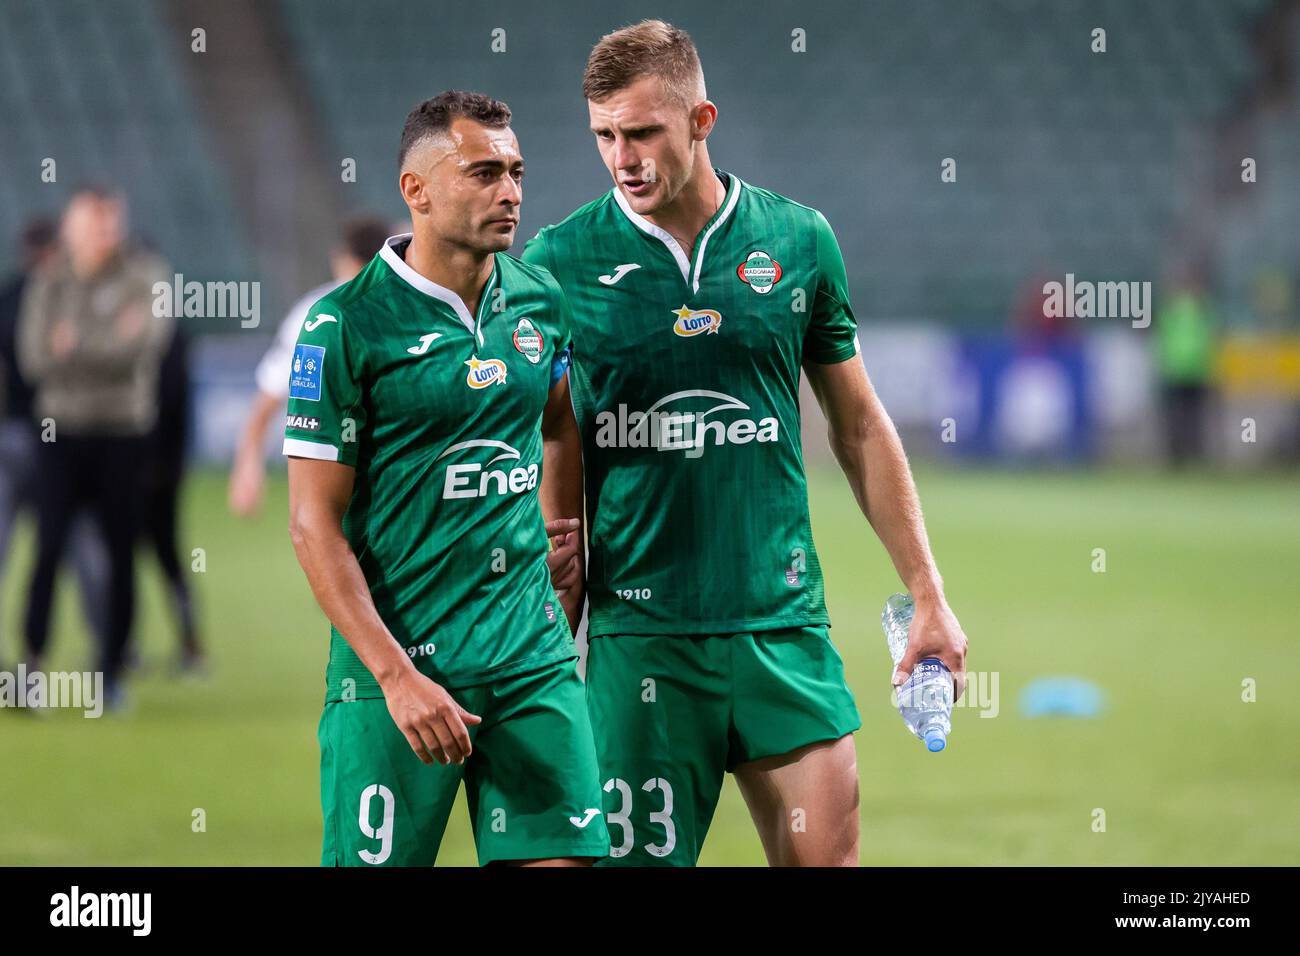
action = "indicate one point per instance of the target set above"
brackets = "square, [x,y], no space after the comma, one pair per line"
[563,355]
[535,252]
[832,332]
[326,410]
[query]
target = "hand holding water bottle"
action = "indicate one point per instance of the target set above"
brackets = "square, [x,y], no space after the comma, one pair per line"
[935,633]
[929,672]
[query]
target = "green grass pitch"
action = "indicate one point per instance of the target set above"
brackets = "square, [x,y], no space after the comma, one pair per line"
[1198,596]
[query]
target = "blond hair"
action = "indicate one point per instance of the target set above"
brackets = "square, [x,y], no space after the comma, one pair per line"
[648,48]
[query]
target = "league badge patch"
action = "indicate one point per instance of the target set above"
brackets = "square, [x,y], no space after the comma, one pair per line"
[305,377]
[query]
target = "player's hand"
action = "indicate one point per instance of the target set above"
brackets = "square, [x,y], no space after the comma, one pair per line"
[433,723]
[565,558]
[247,481]
[935,633]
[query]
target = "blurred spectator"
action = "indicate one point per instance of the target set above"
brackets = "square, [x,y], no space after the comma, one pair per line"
[1033,327]
[1184,342]
[90,345]
[37,245]
[160,491]
[360,240]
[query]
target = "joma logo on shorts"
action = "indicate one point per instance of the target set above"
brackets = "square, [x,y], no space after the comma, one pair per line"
[681,430]
[475,480]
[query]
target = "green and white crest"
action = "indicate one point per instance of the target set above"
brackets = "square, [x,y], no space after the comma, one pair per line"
[528,341]
[760,272]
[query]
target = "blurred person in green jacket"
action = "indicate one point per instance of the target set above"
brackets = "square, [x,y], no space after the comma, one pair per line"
[90,346]
[1185,332]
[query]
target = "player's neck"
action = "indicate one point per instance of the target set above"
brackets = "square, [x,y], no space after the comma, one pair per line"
[686,216]
[463,271]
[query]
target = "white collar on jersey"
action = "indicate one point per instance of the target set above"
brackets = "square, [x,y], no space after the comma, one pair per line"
[427,286]
[648,227]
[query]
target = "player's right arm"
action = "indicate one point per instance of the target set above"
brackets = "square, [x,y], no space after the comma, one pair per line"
[433,723]
[328,379]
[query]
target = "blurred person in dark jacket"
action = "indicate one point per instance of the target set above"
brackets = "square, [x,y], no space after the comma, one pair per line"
[37,244]
[90,345]
[160,492]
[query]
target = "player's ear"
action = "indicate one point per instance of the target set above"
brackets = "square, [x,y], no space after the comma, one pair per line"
[703,117]
[413,191]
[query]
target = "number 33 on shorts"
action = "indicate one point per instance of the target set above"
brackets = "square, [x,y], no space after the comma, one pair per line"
[622,818]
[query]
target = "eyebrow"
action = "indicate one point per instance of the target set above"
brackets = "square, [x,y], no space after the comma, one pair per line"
[493,164]
[633,130]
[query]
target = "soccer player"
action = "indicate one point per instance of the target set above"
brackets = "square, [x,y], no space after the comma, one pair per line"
[423,396]
[697,300]
[360,240]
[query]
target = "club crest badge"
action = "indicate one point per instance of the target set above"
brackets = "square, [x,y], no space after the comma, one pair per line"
[760,272]
[694,321]
[485,372]
[528,341]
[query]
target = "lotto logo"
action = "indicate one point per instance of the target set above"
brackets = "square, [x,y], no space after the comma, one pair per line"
[692,322]
[485,372]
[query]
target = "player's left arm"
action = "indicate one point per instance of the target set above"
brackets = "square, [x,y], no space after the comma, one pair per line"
[561,499]
[869,451]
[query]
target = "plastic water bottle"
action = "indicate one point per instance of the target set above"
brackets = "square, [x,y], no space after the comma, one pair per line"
[925,698]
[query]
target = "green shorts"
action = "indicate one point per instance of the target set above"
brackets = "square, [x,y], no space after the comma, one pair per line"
[673,713]
[531,780]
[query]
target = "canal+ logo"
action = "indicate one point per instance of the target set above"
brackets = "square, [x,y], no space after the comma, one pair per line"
[479,479]
[683,421]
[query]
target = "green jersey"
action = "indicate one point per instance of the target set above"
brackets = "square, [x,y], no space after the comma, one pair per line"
[440,414]
[685,380]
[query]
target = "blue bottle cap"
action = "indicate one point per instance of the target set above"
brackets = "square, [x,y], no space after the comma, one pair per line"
[934,741]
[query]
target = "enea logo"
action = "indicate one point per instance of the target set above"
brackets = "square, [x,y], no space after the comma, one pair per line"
[682,422]
[528,341]
[760,272]
[694,321]
[485,372]
[479,480]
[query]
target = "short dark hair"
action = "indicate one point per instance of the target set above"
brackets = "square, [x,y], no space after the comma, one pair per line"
[364,236]
[435,116]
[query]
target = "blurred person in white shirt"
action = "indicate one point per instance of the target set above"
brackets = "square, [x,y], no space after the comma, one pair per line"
[361,239]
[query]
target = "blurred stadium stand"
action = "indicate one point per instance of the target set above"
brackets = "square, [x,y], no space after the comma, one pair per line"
[1117,166]
[1067,160]
[101,89]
